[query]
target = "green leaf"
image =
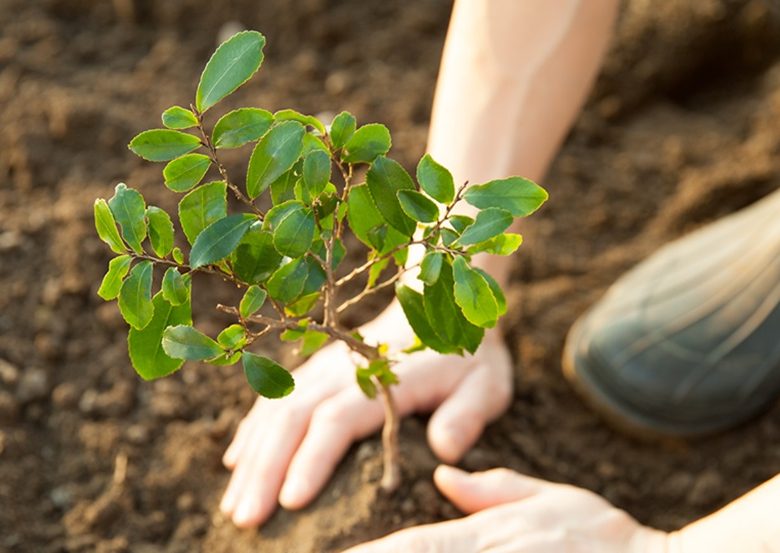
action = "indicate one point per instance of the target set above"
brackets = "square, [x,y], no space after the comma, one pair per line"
[160,230]
[313,340]
[448,236]
[177,255]
[233,337]
[106,227]
[184,172]
[256,259]
[435,179]
[446,316]
[412,304]
[362,214]
[145,346]
[163,144]
[240,126]
[187,342]
[417,206]
[431,267]
[252,301]
[316,171]
[498,293]
[288,281]
[473,295]
[368,142]
[342,129]
[292,115]
[135,296]
[230,66]
[128,207]
[367,386]
[266,377]
[384,179]
[312,142]
[460,222]
[219,239]
[275,154]
[283,188]
[503,244]
[490,222]
[294,233]
[112,282]
[179,118]
[226,358]
[202,207]
[517,195]
[174,289]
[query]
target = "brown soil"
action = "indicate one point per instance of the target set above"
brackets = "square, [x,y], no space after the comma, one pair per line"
[683,128]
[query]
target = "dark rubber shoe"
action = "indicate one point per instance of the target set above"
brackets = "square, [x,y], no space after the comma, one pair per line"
[688,342]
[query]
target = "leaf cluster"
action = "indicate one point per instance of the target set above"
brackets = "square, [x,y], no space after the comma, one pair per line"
[288,258]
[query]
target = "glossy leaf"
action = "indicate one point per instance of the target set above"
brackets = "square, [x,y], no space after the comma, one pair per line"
[275,154]
[135,296]
[178,255]
[287,283]
[233,337]
[266,377]
[145,346]
[292,115]
[253,300]
[294,233]
[418,206]
[160,230]
[163,144]
[219,239]
[187,342]
[255,258]
[240,126]
[367,143]
[446,317]
[460,222]
[112,282]
[498,293]
[183,173]
[414,309]
[503,244]
[342,129]
[201,207]
[129,209]
[174,288]
[490,222]
[385,179]
[179,118]
[435,180]
[517,195]
[106,227]
[230,66]
[473,295]
[431,267]
[313,340]
[316,171]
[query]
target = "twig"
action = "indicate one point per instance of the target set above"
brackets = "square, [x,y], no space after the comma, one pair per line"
[368,291]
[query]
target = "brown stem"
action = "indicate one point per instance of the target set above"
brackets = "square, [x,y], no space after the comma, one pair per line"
[391,472]
[368,291]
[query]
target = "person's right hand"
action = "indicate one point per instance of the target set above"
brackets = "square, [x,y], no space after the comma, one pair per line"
[285,450]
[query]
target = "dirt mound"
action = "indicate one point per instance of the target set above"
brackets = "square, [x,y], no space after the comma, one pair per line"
[681,129]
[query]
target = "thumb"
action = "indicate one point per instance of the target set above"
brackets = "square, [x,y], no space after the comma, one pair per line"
[483,394]
[481,490]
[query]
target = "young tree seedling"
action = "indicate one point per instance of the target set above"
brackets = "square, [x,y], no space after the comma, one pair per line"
[287,259]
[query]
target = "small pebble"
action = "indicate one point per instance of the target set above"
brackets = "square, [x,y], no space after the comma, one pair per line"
[33,385]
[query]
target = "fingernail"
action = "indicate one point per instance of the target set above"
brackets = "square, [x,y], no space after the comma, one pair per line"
[292,493]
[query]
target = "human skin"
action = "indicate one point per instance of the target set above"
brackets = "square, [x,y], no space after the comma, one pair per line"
[513,77]
[512,513]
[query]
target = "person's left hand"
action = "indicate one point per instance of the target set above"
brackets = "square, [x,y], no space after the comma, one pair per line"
[520,514]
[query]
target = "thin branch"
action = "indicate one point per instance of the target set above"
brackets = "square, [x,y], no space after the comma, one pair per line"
[369,291]
[221,168]
[209,269]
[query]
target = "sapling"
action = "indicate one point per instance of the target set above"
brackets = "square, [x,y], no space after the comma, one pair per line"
[316,183]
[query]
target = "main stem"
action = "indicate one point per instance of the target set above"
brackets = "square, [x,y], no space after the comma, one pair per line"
[391,472]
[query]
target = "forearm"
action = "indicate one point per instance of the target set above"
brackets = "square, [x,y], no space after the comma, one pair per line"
[514,75]
[748,525]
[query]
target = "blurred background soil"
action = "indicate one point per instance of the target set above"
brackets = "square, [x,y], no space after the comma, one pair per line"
[683,127]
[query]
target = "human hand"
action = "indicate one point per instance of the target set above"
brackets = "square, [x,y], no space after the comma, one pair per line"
[519,514]
[285,450]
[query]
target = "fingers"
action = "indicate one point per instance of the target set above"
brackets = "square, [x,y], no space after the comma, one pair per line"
[481,490]
[245,427]
[482,395]
[335,424]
